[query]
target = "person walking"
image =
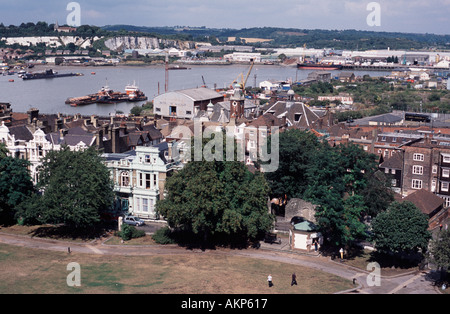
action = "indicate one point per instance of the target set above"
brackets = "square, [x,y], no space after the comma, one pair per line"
[269,280]
[294,279]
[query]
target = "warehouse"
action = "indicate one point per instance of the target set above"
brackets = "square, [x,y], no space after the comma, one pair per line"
[184,103]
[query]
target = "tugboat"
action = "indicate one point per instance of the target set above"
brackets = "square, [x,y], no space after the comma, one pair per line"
[134,93]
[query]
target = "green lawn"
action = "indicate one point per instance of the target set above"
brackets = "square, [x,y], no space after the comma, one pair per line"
[31,271]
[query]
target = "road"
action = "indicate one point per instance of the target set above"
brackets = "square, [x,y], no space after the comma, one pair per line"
[412,283]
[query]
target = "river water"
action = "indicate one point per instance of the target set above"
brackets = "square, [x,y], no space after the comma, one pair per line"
[49,95]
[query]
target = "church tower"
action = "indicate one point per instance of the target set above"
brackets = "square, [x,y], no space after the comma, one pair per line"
[237,104]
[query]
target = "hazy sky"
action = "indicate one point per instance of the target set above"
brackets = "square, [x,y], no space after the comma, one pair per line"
[412,16]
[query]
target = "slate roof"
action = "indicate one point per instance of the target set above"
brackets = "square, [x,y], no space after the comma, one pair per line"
[21,132]
[297,113]
[71,139]
[393,162]
[426,201]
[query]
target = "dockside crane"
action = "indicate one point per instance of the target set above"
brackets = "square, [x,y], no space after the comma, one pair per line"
[204,83]
[243,80]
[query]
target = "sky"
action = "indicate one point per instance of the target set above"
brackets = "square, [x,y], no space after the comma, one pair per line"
[410,16]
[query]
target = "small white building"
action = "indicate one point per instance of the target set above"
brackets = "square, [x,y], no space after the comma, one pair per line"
[270,85]
[244,57]
[304,236]
[185,103]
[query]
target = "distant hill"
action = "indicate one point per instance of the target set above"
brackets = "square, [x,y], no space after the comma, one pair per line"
[291,37]
[271,37]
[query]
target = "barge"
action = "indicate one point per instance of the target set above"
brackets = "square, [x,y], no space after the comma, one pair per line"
[46,75]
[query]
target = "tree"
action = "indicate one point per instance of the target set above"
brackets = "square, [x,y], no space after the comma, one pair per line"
[76,188]
[296,151]
[15,186]
[217,200]
[377,194]
[336,178]
[440,250]
[401,229]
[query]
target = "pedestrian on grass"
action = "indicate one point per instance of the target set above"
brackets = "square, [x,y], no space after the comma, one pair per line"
[269,280]
[294,279]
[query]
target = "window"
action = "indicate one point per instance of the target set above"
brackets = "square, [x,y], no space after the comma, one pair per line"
[297,117]
[445,173]
[416,184]
[394,182]
[446,159]
[138,203]
[124,179]
[145,205]
[447,201]
[147,159]
[417,170]
[383,139]
[433,185]
[148,181]
[418,157]
[444,186]
[393,171]
[157,109]
[188,112]
[434,169]
[394,140]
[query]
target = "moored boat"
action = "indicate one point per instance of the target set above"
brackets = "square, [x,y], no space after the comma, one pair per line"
[47,74]
[318,66]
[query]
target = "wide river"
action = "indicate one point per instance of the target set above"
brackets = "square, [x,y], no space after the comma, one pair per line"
[49,95]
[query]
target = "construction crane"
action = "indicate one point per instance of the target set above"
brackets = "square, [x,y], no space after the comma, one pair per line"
[243,80]
[204,83]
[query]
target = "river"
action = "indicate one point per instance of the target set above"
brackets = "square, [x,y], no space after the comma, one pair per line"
[49,95]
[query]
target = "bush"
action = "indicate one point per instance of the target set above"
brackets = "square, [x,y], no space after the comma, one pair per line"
[129,232]
[163,236]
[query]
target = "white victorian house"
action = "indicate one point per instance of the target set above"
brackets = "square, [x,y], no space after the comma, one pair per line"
[32,144]
[139,177]
[25,144]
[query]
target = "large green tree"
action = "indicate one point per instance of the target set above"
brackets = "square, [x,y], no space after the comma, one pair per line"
[339,179]
[296,149]
[440,250]
[217,200]
[76,187]
[16,186]
[401,229]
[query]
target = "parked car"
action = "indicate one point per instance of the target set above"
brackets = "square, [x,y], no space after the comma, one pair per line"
[272,238]
[133,220]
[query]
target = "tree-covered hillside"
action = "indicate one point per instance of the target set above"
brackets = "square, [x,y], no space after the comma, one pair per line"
[280,37]
[317,38]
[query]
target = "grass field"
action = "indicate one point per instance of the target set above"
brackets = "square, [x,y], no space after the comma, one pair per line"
[30,271]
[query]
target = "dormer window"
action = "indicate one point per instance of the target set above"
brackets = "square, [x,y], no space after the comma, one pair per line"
[297,117]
